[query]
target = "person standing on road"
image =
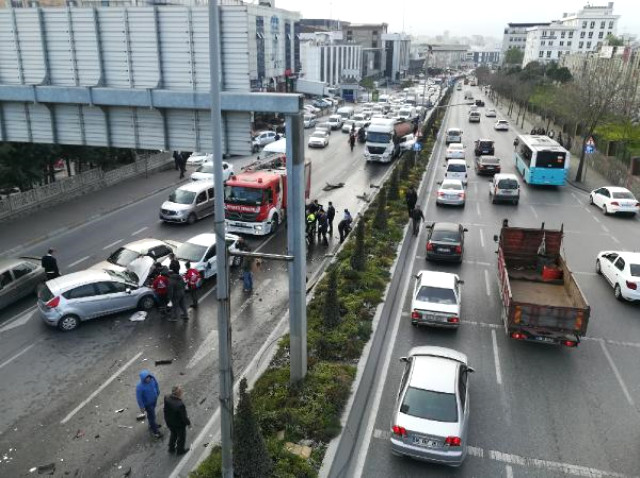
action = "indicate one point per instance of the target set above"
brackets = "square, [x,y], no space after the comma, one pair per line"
[50,265]
[417,217]
[331,214]
[411,197]
[176,159]
[247,272]
[177,420]
[322,225]
[344,226]
[160,286]
[352,140]
[147,393]
[176,294]
[174,264]
[192,277]
[182,164]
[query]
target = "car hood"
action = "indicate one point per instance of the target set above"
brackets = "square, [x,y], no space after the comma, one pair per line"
[430,306]
[141,267]
[428,427]
[317,140]
[199,176]
[172,206]
[102,265]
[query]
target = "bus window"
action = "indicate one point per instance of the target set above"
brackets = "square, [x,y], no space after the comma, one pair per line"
[550,159]
[525,153]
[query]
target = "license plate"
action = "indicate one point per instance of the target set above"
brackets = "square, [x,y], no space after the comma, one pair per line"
[444,249]
[452,196]
[507,192]
[545,339]
[425,442]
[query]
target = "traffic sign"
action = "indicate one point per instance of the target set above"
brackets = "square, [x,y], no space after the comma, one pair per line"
[417,146]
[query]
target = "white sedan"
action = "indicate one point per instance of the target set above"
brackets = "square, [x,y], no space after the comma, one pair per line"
[490,113]
[318,139]
[201,252]
[501,125]
[196,159]
[205,172]
[455,151]
[622,271]
[450,193]
[614,199]
[437,299]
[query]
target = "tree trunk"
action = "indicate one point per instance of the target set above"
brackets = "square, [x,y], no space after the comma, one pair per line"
[68,163]
[524,114]
[582,158]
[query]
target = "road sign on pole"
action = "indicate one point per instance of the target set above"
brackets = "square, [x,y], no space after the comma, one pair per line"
[590,146]
[417,146]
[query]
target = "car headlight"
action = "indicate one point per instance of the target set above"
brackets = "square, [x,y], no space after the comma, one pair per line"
[258,228]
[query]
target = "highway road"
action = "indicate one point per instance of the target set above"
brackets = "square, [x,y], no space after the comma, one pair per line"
[63,394]
[536,411]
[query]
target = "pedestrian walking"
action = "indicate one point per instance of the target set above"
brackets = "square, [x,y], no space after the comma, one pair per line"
[411,198]
[147,393]
[50,265]
[176,159]
[160,286]
[247,273]
[177,420]
[182,164]
[174,264]
[417,216]
[344,226]
[176,294]
[192,277]
[322,225]
[331,214]
[352,140]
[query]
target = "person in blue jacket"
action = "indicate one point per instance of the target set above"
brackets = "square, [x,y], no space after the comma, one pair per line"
[147,393]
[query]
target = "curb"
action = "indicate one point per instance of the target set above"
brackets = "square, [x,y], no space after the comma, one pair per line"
[579,186]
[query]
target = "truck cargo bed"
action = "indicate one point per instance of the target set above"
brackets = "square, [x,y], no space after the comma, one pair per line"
[541,293]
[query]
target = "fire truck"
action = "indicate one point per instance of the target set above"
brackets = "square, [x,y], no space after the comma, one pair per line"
[255,200]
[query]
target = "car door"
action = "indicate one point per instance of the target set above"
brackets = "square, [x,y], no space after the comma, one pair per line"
[463,397]
[201,204]
[85,301]
[602,197]
[210,262]
[8,288]
[617,275]
[115,297]
[210,202]
[606,266]
[26,278]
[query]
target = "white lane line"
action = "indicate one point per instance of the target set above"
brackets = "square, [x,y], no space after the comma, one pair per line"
[18,321]
[478,209]
[22,352]
[496,357]
[509,471]
[596,219]
[100,389]
[481,238]
[75,263]
[617,374]
[585,273]
[614,239]
[115,243]
[486,282]
[604,228]
[381,434]
[475,451]
[135,233]
[483,324]
[477,263]
[535,214]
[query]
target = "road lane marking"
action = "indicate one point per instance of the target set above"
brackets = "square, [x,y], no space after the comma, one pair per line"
[477,263]
[135,233]
[614,239]
[18,321]
[112,244]
[22,352]
[478,209]
[604,228]
[481,238]
[75,263]
[596,219]
[616,372]
[486,282]
[496,357]
[509,471]
[100,388]
[535,214]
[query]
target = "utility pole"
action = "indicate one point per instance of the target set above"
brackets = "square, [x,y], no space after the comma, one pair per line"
[222,285]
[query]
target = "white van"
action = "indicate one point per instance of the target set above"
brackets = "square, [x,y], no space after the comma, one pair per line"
[457,169]
[346,112]
[505,187]
[188,203]
[454,135]
[335,121]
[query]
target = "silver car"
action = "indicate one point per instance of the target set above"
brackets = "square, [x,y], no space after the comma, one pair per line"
[450,193]
[19,277]
[123,256]
[66,301]
[431,416]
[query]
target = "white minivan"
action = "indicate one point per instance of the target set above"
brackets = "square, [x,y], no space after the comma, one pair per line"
[457,169]
[188,203]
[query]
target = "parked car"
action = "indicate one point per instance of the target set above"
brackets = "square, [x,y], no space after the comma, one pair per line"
[501,125]
[188,203]
[487,165]
[311,109]
[490,113]
[19,277]
[430,419]
[615,200]
[622,270]
[318,139]
[504,187]
[445,241]
[66,301]
[263,138]
[196,159]
[205,172]
[437,299]
[407,142]
[324,126]
[483,146]
[125,255]
[7,192]
[200,250]
[451,193]
[309,121]
[455,151]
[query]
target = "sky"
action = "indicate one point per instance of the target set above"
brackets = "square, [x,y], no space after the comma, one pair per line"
[459,17]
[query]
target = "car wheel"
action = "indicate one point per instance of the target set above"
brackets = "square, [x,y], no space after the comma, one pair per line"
[191,219]
[515,202]
[617,292]
[274,224]
[146,303]
[68,323]
[605,211]
[415,324]
[590,199]
[598,267]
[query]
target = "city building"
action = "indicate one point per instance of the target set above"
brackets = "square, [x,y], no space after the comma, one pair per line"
[515,35]
[369,37]
[397,47]
[325,57]
[483,56]
[592,25]
[548,43]
[441,55]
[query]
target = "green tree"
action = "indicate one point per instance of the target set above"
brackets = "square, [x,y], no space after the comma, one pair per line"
[380,218]
[624,132]
[613,40]
[394,187]
[359,256]
[250,456]
[331,305]
[514,56]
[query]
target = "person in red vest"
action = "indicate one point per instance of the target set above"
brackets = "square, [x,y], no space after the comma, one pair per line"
[192,278]
[160,286]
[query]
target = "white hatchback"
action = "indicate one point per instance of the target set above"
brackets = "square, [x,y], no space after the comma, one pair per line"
[501,125]
[196,159]
[455,151]
[205,172]
[457,169]
[437,299]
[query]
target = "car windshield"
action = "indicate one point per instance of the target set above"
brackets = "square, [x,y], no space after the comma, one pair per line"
[485,144]
[436,295]
[445,236]
[430,405]
[508,184]
[206,168]
[457,168]
[125,275]
[182,197]
[453,132]
[123,257]
[243,195]
[456,186]
[622,195]
[373,137]
[634,270]
[188,251]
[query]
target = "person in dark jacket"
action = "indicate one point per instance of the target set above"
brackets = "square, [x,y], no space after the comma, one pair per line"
[331,214]
[174,264]
[323,225]
[147,393]
[176,159]
[411,197]
[417,216]
[177,420]
[50,265]
[182,164]
[176,295]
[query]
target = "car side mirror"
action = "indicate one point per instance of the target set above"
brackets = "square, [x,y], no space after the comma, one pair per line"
[128,290]
[404,359]
[495,238]
[470,369]
[460,281]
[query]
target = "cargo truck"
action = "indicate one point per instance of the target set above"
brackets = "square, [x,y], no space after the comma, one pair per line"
[542,302]
[383,139]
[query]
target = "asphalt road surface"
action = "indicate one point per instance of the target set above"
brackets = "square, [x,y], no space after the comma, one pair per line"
[536,411]
[63,393]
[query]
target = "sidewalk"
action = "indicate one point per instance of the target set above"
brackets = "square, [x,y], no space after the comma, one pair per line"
[21,233]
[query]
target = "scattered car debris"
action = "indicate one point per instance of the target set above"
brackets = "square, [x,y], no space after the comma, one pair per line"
[164,362]
[364,197]
[120,410]
[202,401]
[31,470]
[330,187]
[49,469]
[371,185]
[141,417]
[125,426]
[79,434]
[138,316]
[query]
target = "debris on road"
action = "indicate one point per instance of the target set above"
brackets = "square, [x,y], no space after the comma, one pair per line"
[138,316]
[164,362]
[120,410]
[364,197]
[49,469]
[31,470]
[79,434]
[330,187]
[141,417]
[125,426]
[202,401]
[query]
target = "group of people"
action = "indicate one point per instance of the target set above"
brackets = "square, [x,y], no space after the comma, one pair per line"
[318,221]
[175,411]
[414,210]
[169,287]
[180,161]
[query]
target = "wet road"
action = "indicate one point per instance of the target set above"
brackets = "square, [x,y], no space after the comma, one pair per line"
[63,393]
[536,411]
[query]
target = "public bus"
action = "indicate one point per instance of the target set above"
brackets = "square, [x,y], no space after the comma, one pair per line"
[541,160]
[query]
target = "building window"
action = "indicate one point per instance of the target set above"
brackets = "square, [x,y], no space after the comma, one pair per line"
[568,43]
[288,57]
[374,33]
[374,44]
[562,34]
[549,54]
[550,43]
[602,24]
[588,45]
[544,33]
[260,49]
[543,43]
[590,34]
[559,54]
[611,25]
[580,44]
[582,34]
[540,54]
[601,35]
[584,24]
[561,43]
[609,33]
[349,35]
[570,34]
[592,25]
